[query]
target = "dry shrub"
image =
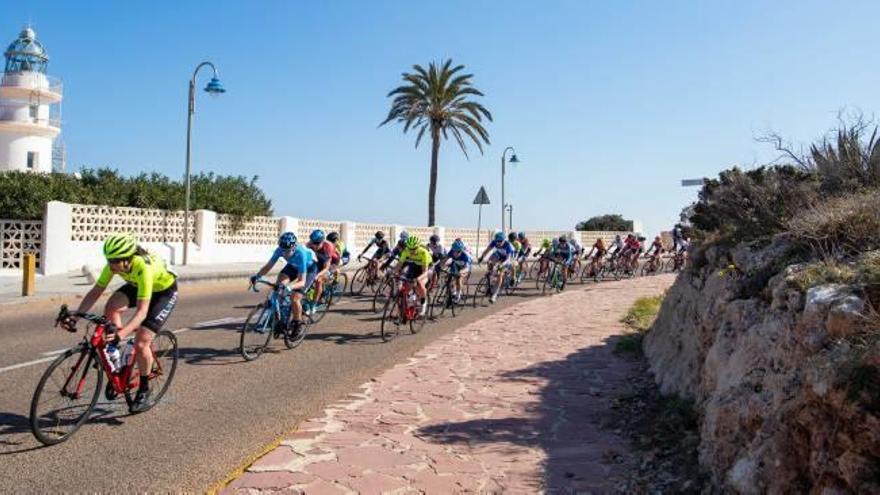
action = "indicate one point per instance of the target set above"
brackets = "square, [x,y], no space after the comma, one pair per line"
[842,226]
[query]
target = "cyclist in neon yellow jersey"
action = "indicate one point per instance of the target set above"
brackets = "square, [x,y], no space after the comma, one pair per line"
[150,288]
[416,261]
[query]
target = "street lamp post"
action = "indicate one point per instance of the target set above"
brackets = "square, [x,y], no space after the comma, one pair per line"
[215,88]
[513,159]
[509,209]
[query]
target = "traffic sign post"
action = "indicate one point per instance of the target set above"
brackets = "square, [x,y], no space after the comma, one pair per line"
[481,199]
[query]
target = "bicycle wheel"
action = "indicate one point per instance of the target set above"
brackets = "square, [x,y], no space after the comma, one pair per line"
[256,332]
[508,283]
[481,292]
[293,341]
[359,281]
[342,285]
[64,397]
[550,280]
[391,320]
[383,293]
[440,301]
[165,355]
[418,322]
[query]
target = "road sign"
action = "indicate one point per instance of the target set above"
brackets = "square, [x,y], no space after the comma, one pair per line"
[692,182]
[482,198]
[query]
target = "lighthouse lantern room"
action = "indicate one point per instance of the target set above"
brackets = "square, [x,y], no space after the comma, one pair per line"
[30,107]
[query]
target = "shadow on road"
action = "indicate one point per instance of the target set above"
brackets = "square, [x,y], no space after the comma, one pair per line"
[565,422]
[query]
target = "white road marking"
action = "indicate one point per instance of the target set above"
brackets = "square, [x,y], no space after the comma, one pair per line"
[221,321]
[26,364]
[55,353]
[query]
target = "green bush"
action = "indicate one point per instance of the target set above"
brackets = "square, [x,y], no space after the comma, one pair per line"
[613,222]
[23,195]
[747,205]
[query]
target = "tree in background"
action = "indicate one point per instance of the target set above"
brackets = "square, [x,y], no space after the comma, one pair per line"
[613,222]
[439,101]
[23,195]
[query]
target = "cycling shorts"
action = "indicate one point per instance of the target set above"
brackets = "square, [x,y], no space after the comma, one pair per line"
[413,271]
[292,273]
[161,304]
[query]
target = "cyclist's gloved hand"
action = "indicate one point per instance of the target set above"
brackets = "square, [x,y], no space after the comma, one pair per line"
[254,279]
[69,323]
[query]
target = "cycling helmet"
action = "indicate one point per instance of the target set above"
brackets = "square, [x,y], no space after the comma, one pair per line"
[545,243]
[458,245]
[380,235]
[511,237]
[119,246]
[521,235]
[641,238]
[317,236]
[413,242]
[435,238]
[562,238]
[499,236]
[287,240]
[333,237]
[403,235]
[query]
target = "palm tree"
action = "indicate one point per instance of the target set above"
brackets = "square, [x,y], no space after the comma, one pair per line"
[439,100]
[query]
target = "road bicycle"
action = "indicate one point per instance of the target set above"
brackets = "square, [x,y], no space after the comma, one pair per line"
[317,309]
[485,287]
[402,309]
[675,262]
[653,266]
[367,277]
[555,280]
[444,299]
[269,320]
[68,391]
[338,283]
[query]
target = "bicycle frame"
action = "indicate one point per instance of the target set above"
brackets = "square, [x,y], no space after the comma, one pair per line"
[407,313]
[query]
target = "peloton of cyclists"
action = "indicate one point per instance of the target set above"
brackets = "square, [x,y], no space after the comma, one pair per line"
[501,258]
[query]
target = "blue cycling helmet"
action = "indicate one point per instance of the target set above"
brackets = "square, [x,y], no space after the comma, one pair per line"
[404,235]
[317,236]
[287,240]
[458,245]
[434,238]
[521,235]
[499,236]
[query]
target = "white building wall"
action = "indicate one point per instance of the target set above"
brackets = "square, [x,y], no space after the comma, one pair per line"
[14,148]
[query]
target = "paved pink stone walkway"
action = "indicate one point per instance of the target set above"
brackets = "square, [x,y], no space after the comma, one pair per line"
[511,403]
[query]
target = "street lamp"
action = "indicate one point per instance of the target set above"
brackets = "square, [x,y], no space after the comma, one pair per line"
[214,87]
[513,159]
[509,209]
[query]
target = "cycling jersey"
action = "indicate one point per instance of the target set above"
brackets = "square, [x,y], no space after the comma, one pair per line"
[502,251]
[599,246]
[656,247]
[148,273]
[517,246]
[301,259]
[575,245]
[325,252]
[461,259]
[381,246]
[419,256]
[437,251]
[525,247]
[563,252]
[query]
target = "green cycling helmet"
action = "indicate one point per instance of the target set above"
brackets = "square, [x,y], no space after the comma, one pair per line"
[119,246]
[413,242]
[545,243]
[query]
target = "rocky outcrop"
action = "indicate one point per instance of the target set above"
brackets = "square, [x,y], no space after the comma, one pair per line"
[787,381]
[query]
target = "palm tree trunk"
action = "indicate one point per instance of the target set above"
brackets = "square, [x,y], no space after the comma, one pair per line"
[432,187]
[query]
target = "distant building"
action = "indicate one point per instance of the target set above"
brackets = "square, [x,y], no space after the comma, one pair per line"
[30,109]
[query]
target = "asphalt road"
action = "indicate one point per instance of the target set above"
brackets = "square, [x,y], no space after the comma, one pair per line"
[220,410]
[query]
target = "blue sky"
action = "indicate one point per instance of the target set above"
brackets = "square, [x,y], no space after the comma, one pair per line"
[608,104]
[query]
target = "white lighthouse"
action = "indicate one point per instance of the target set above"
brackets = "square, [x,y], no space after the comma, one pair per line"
[30,107]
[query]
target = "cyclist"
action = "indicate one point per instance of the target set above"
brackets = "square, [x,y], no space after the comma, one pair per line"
[149,287]
[578,250]
[517,247]
[545,247]
[437,250]
[563,252]
[459,262]
[526,248]
[502,253]
[616,246]
[299,272]
[630,252]
[677,238]
[655,249]
[382,247]
[599,249]
[398,248]
[344,255]
[327,257]
[416,261]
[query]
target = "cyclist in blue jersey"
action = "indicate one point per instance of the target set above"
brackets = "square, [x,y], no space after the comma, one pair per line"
[563,252]
[459,262]
[298,274]
[502,254]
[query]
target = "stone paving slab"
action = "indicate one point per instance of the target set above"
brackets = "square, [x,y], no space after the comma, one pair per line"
[512,403]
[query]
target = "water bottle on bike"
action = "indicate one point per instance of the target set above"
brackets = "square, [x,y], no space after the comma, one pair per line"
[127,352]
[114,357]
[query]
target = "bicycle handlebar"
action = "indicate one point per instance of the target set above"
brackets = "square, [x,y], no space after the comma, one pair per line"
[66,320]
[253,286]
